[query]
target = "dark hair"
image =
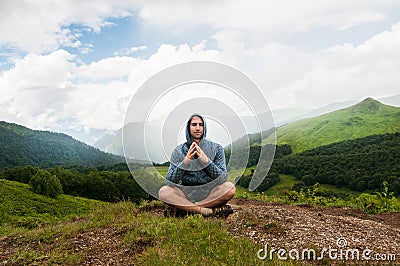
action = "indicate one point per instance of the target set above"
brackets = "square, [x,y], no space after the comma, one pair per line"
[190,121]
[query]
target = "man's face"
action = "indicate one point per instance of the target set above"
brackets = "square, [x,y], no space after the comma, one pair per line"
[196,128]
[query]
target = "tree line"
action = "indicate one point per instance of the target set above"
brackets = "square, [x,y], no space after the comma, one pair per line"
[272,152]
[106,185]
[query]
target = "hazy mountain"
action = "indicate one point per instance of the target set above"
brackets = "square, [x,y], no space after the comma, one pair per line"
[23,146]
[363,119]
[287,115]
[89,136]
[324,110]
[138,147]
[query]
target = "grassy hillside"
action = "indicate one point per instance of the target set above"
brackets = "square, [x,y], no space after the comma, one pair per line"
[21,208]
[363,119]
[20,146]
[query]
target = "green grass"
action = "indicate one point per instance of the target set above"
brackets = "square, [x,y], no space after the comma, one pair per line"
[286,183]
[21,209]
[233,173]
[206,242]
[331,189]
[163,170]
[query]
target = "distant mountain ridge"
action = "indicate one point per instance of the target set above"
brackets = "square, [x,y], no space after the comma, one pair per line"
[21,146]
[93,136]
[289,115]
[393,100]
[360,120]
[283,118]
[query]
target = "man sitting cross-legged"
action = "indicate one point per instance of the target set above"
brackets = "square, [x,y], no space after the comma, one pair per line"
[196,178]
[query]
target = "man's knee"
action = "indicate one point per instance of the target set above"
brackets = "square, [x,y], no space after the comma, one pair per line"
[230,189]
[164,193]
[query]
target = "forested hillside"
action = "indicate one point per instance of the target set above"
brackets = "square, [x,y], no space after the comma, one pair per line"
[360,164]
[20,146]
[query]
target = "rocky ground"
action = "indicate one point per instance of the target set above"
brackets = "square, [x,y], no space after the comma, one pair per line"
[299,227]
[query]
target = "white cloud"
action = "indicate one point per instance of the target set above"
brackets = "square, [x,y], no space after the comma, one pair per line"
[131,50]
[290,76]
[265,16]
[39,26]
[110,68]
[86,48]
[37,87]
[40,71]
[347,72]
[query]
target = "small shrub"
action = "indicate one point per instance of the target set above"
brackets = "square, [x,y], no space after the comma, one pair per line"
[381,202]
[291,196]
[44,183]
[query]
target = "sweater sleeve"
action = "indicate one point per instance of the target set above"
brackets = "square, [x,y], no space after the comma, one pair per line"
[217,167]
[175,171]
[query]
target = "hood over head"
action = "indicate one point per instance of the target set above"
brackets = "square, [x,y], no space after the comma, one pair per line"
[188,140]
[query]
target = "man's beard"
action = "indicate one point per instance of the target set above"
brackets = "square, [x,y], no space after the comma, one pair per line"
[196,138]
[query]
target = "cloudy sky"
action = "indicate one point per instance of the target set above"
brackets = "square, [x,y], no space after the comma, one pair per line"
[77,64]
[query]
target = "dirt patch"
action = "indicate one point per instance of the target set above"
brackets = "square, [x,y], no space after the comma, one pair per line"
[280,225]
[304,227]
[104,246]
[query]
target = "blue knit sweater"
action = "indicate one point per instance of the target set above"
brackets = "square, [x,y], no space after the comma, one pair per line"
[196,172]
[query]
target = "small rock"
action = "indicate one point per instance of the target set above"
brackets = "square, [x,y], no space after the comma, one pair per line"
[289,220]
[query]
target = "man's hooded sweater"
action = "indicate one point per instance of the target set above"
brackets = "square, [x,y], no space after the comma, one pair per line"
[196,172]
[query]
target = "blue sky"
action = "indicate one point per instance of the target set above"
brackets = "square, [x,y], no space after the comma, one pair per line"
[75,66]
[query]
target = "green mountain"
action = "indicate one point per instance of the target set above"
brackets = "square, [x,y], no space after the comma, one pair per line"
[363,119]
[21,146]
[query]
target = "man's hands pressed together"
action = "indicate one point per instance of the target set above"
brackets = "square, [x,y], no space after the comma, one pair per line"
[195,149]
[202,171]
